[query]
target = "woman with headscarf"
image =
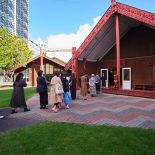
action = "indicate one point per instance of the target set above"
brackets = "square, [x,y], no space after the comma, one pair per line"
[55,96]
[92,86]
[18,98]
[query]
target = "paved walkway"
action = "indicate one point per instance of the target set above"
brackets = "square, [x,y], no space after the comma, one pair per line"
[105,109]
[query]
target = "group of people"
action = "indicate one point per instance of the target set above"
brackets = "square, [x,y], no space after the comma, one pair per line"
[89,85]
[59,91]
[60,86]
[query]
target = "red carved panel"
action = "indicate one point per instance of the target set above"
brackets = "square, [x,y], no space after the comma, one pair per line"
[140,15]
[68,65]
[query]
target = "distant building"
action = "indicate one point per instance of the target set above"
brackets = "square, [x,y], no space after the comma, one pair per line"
[30,69]
[41,44]
[63,54]
[34,48]
[14,17]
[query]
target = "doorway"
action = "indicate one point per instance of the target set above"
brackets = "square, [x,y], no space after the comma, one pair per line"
[126,78]
[104,78]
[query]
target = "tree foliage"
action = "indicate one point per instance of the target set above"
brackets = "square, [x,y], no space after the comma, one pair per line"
[13,51]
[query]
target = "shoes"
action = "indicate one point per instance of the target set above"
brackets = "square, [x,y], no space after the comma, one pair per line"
[13,112]
[67,106]
[41,107]
[1,117]
[55,110]
[26,109]
[45,107]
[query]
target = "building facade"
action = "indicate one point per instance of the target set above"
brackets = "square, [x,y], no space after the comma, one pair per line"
[14,17]
[121,50]
[50,66]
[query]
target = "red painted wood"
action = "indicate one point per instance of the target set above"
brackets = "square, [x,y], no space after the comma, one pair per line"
[138,93]
[118,49]
[41,60]
[137,14]
[69,64]
[75,63]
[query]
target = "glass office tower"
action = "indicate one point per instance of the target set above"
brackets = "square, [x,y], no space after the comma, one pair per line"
[14,17]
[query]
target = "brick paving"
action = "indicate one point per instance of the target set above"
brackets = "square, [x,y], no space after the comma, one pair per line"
[107,109]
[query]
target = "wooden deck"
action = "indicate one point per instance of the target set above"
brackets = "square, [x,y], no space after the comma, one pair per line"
[132,92]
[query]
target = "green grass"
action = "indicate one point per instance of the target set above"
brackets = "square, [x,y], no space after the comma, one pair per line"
[5,96]
[75,139]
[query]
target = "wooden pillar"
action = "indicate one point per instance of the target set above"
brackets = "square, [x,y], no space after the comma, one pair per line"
[118,48]
[84,65]
[33,73]
[41,60]
[30,76]
[75,63]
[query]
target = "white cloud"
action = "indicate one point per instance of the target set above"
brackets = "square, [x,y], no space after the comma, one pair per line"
[67,41]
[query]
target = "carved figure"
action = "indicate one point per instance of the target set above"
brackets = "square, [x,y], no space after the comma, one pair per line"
[115,81]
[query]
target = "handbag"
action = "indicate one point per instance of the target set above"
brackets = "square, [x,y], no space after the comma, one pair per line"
[59,89]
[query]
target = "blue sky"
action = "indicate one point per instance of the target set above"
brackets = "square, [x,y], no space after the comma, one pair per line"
[52,17]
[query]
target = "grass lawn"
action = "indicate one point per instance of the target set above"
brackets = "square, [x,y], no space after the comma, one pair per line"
[5,95]
[75,139]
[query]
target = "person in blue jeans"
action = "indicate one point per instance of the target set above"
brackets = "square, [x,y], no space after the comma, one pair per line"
[42,90]
[66,97]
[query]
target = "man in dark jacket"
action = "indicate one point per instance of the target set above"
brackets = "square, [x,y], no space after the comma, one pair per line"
[42,90]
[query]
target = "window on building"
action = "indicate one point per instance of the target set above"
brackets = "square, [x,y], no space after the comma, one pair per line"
[51,69]
[26,75]
[47,69]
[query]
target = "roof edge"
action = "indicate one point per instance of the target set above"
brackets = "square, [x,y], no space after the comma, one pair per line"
[116,7]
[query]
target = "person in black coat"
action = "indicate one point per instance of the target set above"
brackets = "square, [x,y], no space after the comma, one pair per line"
[72,83]
[42,90]
[18,98]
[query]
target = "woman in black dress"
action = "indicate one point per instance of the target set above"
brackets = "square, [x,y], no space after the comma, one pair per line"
[72,83]
[18,98]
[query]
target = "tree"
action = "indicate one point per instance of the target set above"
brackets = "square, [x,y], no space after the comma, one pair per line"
[44,53]
[13,51]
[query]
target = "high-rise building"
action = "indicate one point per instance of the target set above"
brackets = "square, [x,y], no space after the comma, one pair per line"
[14,17]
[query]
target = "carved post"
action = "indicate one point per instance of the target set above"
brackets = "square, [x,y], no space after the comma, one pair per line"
[84,65]
[41,60]
[74,64]
[113,1]
[118,48]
